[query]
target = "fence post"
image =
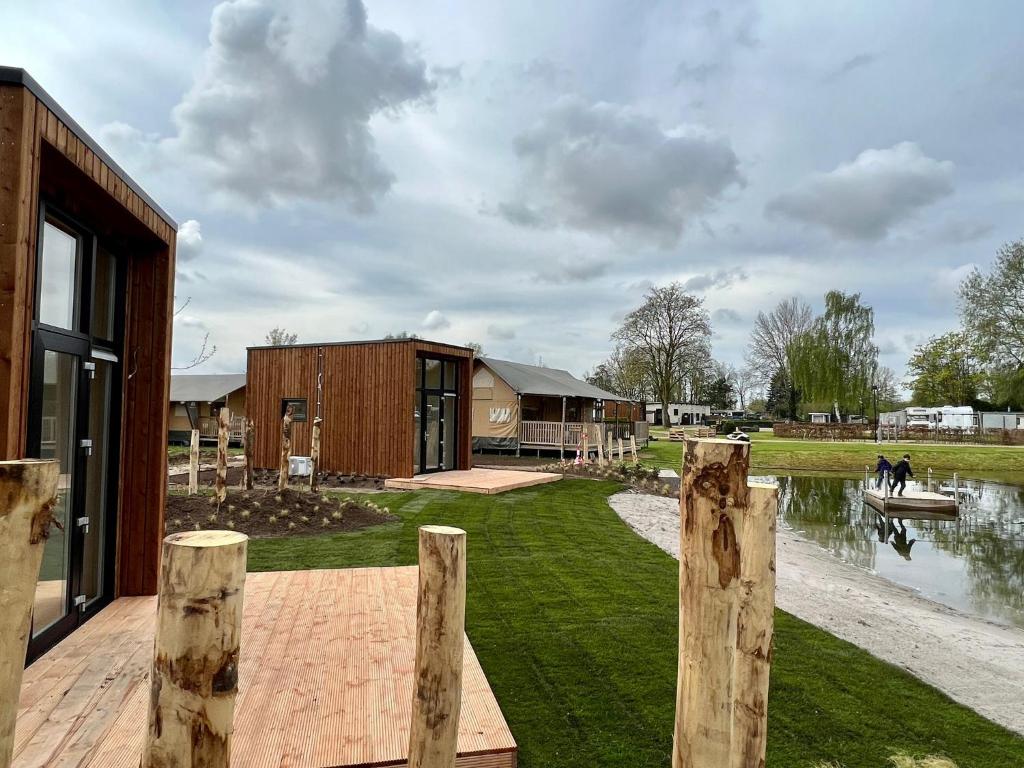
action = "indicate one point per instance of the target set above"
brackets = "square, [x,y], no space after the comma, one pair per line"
[286,449]
[194,676]
[619,442]
[929,479]
[250,450]
[223,433]
[314,457]
[440,627]
[632,447]
[600,450]
[726,602]
[193,464]
[28,491]
[611,451]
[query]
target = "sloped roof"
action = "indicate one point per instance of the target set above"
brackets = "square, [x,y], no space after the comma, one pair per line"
[204,387]
[536,380]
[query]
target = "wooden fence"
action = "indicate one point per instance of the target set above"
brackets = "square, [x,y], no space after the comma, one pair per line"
[547,433]
[850,432]
[208,428]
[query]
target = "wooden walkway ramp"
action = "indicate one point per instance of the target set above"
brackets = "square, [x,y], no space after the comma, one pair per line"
[325,681]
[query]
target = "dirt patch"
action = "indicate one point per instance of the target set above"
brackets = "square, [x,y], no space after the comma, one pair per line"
[639,477]
[264,513]
[268,479]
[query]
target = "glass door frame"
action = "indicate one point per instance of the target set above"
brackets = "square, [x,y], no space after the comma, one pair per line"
[79,341]
[443,393]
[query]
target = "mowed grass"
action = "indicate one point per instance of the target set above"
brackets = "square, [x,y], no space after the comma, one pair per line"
[768,452]
[574,619]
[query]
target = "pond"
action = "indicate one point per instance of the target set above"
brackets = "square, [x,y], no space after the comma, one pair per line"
[974,564]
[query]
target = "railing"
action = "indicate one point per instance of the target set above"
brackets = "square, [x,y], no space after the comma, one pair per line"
[208,428]
[547,433]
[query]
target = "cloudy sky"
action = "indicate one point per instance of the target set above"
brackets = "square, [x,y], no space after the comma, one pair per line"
[517,174]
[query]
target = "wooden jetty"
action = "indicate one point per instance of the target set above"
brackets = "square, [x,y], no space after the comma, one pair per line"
[916,505]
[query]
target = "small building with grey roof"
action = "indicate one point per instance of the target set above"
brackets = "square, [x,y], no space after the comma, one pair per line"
[195,403]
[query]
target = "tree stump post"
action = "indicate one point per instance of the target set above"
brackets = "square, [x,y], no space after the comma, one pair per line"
[28,491]
[632,447]
[194,677]
[586,445]
[621,455]
[600,451]
[223,432]
[286,449]
[440,627]
[611,452]
[250,448]
[314,457]
[193,464]
[726,602]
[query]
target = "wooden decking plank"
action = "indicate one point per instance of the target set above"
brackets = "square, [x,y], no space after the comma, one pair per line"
[325,681]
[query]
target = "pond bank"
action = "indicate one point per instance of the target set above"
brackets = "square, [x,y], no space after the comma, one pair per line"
[975,662]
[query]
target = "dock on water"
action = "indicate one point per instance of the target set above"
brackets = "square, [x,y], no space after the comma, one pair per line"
[918,505]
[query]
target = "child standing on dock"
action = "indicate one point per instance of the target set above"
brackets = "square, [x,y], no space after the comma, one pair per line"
[900,473]
[881,468]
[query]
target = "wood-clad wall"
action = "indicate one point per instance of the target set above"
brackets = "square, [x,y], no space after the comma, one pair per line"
[367,404]
[41,156]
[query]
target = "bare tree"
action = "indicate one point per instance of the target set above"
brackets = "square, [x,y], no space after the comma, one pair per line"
[744,383]
[623,373]
[206,350]
[279,337]
[670,329]
[771,340]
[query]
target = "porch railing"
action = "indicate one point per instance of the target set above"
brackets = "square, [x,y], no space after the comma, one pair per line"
[208,428]
[548,433]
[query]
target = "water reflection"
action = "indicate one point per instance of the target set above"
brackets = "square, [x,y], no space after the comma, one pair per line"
[975,564]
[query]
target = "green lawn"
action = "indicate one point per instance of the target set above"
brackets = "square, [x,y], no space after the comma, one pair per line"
[768,452]
[574,619]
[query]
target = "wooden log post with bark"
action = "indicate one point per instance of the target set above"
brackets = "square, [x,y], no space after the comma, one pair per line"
[27,497]
[621,453]
[223,432]
[194,678]
[249,449]
[286,449]
[193,464]
[632,448]
[314,457]
[726,603]
[440,628]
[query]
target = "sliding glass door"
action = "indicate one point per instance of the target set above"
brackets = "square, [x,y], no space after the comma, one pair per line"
[437,413]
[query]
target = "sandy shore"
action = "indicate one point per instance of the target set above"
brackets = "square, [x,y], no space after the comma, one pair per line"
[973,661]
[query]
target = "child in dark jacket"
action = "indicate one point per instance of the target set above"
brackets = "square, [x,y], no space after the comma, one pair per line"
[881,468]
[900,473]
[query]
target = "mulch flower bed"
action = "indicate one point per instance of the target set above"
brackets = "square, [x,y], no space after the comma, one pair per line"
[263,513]
[266,477]
[637,476]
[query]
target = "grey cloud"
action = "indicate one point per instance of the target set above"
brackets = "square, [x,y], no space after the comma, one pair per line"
[447,76]
[521,214]
[848,66]
[281,107]
[575,269]
[500,332]
[606,168]
[963,231]
[724,315]
[698,73]
[435,321]
[863,199]
[718,279]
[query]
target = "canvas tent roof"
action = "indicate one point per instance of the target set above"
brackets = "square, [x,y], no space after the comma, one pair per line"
[204,387]
[536,380]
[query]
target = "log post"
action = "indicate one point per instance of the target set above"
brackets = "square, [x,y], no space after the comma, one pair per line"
[632,447]
[250,449]
[621,456]
[286,449]
[600,451]
[440,624]
[27,496]
[611,452]
[223,432]
[314,457]
[726,601]
[194,677]
[586,445]
[193,464]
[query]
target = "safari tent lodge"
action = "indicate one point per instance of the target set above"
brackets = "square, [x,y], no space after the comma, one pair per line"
[518,406]
[196,402]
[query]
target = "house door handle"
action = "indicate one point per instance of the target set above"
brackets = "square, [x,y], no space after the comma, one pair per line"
[83,523]
[86,445]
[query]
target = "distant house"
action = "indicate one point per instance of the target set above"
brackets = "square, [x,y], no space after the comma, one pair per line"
[519,406]
[819,418]
[1001,420]
[678,413]
[196,400]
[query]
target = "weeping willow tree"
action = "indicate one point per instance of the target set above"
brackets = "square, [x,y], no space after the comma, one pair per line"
[836,360]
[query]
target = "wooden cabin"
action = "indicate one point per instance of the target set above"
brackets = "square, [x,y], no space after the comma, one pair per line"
[390,408]
[518,406]
[86,306]
[196,402]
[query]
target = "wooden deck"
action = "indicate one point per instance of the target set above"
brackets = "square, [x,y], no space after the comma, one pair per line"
[325,681]
[918,505]
[475,480]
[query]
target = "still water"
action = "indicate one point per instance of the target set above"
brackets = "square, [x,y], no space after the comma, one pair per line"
[975,564]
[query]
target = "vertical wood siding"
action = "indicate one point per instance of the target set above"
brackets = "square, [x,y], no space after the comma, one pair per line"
[368,403]
[40,154]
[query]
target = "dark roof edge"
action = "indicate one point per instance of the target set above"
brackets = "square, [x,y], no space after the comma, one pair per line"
[356,343]
[17,76]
